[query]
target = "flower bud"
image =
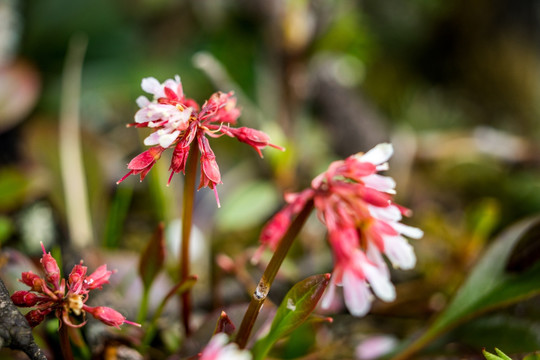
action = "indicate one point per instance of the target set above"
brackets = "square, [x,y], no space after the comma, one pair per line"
[24,298]
[106,315]
[75,281]
[98,278]
[32,280]
[35,317]
[52,271]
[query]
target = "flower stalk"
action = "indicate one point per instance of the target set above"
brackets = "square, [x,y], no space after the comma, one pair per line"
[65,345]
[269,275]
[187,220]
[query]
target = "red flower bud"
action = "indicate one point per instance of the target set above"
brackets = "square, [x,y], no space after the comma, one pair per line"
[142,163]
[76,277]
[254,138]
[52,271]
[106,315]
[35,317]
[32,280]
[24,298]
[98,278]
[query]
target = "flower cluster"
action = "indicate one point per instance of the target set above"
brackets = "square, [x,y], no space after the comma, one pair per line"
[49,294]
[355,203]
[177,122]
[219,349]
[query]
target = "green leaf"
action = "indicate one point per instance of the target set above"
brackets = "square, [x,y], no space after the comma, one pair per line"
[488,286]
[502,355]
[293,311]
[152,257]
[490,356]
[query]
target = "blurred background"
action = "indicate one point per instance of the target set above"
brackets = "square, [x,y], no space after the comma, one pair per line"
[454,85]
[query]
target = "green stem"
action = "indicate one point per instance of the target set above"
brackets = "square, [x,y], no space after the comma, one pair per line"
[269,275]
[65,345]
[187,220]
[143,308]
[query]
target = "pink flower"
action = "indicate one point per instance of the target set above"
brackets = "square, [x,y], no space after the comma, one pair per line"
[49,294]
[177,122]
[355,204]
[218,349]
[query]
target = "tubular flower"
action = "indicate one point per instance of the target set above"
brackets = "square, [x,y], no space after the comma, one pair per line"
[355,204]
[177,121]
[52,294]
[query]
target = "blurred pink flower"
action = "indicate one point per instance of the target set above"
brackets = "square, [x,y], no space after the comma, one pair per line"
[219,349]
[177,121]
[375,347]
[49,294]
[355,203]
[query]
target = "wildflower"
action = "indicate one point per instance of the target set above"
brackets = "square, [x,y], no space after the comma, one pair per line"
[49,294]
[218,349]
[355,204]
[177,121]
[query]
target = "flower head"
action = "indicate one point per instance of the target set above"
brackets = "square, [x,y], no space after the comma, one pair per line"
[176,122]
[52,294]
[355,204]
[218,349]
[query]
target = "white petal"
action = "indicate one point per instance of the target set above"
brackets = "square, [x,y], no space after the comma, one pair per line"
[379,154]
[389,213]
[166,140]
[382,167]
[381,285]
[152,86]
[329,295]
[357,295]
[152,139]
[375,256]
[409,231]
[381,183]
[399,252]
[153,112]
[142,101]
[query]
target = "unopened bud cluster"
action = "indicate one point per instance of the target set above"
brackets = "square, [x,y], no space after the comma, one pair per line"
[67,301]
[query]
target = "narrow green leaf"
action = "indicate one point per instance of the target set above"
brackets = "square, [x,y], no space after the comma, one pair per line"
[152,257]
[502,355]
[293,311]
[488,286]
[490,356]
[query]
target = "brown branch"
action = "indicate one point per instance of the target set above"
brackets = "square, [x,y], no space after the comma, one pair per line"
[15,333]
